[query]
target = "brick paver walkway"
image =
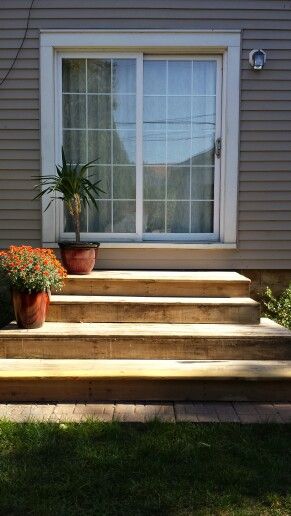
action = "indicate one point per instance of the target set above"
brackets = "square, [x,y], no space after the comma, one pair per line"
[196,412]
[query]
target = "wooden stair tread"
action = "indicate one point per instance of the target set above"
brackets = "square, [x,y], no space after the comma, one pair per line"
[159,283]
[265,329]
[154,300]
[145,369]
[207,276]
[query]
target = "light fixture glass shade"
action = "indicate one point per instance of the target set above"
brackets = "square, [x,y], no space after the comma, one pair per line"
[257,59]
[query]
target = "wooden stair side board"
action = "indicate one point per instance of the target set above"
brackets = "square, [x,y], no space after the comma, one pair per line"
[143,390]
[146,288]
[152,380]
[182,289]
[141,347]
[153,310]
[265,341]
[159,283]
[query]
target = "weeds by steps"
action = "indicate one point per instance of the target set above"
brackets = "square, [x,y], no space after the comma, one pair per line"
[278,308]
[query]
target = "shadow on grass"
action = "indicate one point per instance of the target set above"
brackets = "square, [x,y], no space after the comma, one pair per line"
[136,469]
[6,310]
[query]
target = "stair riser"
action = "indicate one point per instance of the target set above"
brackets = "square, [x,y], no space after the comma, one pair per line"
[179,288]
[176,348]
[73,390]
[155,313]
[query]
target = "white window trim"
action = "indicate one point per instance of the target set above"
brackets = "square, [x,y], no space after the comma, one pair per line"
[225,43]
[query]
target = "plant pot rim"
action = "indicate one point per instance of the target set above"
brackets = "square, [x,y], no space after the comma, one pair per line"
[79,245]
[26,291]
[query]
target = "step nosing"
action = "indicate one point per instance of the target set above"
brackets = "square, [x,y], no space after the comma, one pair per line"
[133,275]
[154,300]
[22,369]
[266,329]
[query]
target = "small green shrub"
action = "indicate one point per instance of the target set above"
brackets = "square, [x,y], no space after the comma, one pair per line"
[278,308]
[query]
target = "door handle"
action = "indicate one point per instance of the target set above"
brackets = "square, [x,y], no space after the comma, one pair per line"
[218,147]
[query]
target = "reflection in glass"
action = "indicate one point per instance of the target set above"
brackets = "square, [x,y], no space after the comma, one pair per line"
[179,147]
[202,183]
[74,75]
[154,114]
[99,112]
[178,142]
[124,216]
[201,217]
[179,77]
[179,113]
[74,111]
[178,219]
[124,147]
[99,146]
[102,173]
[124,182]
[106,110]
[99,75]
[178,183]
[154,147]
[154,217]
[179,117]
[124,115]
[204,77]
[123,76]
[155,77]
[99,221]
[74,143]
[154,186]
[203,114]
[203,151]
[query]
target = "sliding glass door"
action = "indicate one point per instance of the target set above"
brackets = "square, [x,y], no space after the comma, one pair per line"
[151,124]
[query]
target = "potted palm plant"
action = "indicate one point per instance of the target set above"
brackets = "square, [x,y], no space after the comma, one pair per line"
[73,186]
[31,273]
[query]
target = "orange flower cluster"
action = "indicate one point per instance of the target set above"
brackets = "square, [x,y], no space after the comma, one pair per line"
[32,269]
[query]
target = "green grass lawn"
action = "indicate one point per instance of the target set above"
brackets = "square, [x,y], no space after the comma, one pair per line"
[144,469]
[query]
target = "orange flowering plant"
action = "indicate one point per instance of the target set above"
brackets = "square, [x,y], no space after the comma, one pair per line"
[30,269]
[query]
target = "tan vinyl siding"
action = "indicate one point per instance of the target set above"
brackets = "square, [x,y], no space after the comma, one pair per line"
[264,224]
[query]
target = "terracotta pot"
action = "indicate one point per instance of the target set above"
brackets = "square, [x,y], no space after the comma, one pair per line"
[79,258]
[30,308]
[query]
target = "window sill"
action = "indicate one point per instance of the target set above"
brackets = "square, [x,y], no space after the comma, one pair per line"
[167,245]
[209,246]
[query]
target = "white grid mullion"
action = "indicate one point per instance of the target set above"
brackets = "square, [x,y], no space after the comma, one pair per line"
[139,146]
[191,143]
[111,138]
[87,138]
[166,186]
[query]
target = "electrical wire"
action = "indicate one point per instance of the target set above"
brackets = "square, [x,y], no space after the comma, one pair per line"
[20,47]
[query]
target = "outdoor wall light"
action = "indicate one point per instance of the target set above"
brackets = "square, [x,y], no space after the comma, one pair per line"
[257,59]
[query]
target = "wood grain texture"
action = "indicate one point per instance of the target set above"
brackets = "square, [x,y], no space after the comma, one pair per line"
[140,390]
[148,341]
[144,369]
[159,283]
[153,309]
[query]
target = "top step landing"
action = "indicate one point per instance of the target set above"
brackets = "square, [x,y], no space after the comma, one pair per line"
[159,283]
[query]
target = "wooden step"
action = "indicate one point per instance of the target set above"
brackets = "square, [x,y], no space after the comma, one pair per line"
[159,283]
[266,341]
[121,309]
[122,380]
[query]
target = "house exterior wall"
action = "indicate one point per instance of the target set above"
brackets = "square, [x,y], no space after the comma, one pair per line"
[264,203]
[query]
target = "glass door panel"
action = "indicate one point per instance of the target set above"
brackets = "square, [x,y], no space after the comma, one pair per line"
[168,187]
[99,123]
[179,126]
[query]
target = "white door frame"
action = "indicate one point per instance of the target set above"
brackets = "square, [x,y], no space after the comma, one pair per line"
[223,43]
